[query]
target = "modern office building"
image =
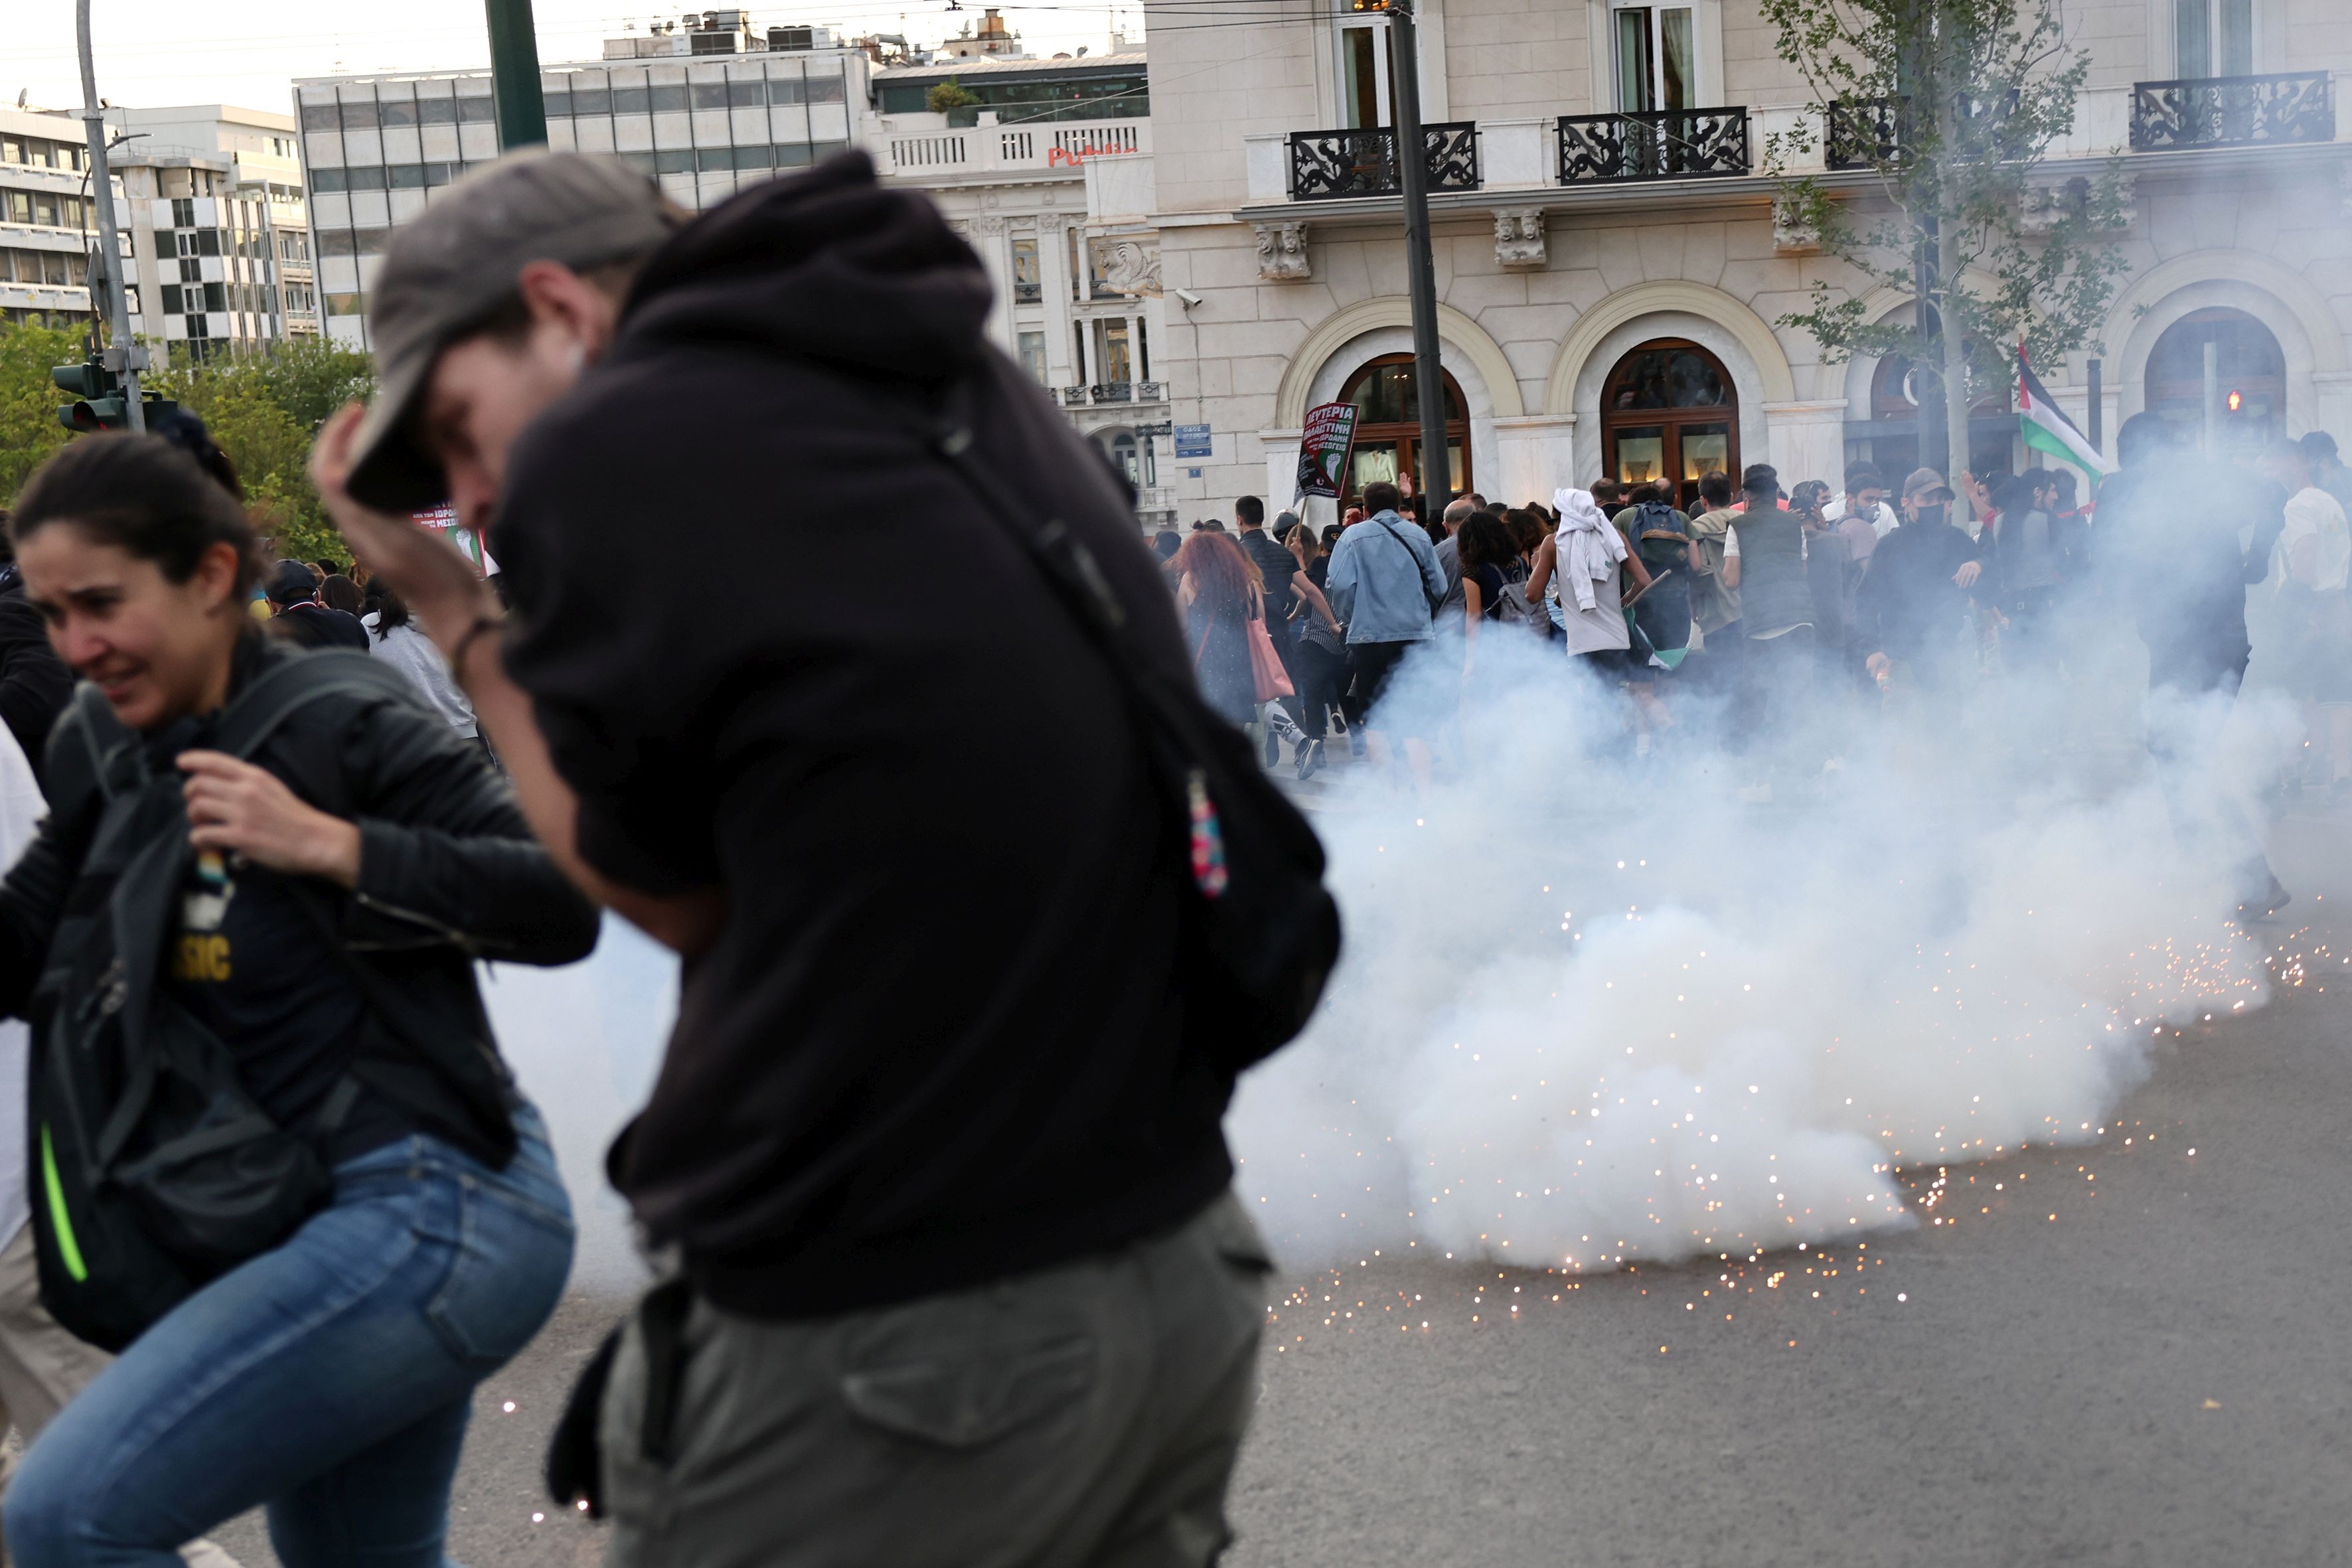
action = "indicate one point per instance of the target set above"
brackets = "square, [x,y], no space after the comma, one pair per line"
[251,167]
[47,229]
[704,111]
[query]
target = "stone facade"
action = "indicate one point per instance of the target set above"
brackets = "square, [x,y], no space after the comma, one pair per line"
[1545,287]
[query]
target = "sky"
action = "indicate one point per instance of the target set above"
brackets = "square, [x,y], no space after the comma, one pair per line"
[247,52]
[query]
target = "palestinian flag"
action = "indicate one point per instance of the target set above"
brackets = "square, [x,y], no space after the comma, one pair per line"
[2049,431]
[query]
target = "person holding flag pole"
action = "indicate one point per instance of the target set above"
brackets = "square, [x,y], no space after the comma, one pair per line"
[2047,431]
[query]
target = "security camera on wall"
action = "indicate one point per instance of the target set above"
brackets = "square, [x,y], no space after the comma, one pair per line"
[1187,296]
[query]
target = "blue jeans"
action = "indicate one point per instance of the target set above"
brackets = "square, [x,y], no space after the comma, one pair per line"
[329,1378]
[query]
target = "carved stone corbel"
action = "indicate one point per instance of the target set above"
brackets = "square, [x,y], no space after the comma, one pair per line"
[1282,251]
[1519,237]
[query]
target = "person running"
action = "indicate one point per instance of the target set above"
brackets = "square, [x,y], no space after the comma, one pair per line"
[1714,602]
[1277,568]
[336,891]
[1221,593]
[1579,572]
[1831,573]
[1320,645]
[1909,610]
[2028,548]
[951,1213]
[2169,539]
[2316,562]
[1385,584]
[1766,560]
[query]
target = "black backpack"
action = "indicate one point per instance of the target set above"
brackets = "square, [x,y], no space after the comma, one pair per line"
[154,1169]
[1266,927]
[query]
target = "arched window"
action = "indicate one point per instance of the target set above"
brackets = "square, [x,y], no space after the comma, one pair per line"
[1668,412]
[2249,379]
[1130,457]
[1388,426]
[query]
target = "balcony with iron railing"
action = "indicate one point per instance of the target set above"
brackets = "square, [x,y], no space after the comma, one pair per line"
[1330,166]
[2233,111]
[1595,154]
[1653,144]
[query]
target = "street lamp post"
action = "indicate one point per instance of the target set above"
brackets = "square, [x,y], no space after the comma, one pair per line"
[121,356]
[520,107]
[1436,477]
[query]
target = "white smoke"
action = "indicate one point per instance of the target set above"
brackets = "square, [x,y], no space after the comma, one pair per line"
[586,1041]
[1593,1008]
[1596,1008]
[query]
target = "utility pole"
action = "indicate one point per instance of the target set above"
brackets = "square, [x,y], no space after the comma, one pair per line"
[520,107]
[123,357]
[1436,477]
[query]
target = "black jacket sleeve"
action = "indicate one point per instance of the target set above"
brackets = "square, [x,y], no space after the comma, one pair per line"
[444,854]
[35,684]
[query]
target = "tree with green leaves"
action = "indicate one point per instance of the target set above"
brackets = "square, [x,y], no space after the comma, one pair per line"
[262,408]
[948,95]
[1949,108]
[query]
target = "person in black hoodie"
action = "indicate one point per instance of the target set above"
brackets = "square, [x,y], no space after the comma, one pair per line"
[34,682]
[962,1274]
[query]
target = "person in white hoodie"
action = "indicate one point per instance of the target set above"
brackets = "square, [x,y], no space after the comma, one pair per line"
[1576,572]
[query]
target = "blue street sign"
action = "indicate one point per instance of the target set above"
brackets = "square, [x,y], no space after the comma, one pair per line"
[1193,441]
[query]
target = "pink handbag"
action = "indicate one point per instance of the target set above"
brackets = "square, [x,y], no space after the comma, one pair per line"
[1265,664]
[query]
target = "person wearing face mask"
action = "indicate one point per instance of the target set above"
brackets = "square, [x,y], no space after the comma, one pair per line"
[958,1258]
[1910,606]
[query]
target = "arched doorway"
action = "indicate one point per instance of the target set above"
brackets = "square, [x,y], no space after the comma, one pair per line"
[2250,380]
[1668,412]
[1388,426]
[1893,430]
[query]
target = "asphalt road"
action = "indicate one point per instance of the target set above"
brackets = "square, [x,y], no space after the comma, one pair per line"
[2129,1354]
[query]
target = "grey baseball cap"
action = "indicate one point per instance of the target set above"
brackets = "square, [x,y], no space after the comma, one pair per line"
[452,267]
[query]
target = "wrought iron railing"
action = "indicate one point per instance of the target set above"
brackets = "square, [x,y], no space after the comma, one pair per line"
[1072,396]
[1864,134]
[2232,110]
[1653,144]
[1150,391]
[1327,165]
[1114,392]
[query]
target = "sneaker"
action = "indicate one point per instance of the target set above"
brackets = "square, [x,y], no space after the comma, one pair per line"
[1273,747]
[2270,903]
[1339,721]
[1310,757]
[1356,747]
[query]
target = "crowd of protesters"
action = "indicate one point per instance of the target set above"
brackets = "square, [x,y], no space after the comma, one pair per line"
[1776,604]
[934,1164]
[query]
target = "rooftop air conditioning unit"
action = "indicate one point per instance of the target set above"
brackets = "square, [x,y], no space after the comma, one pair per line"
[798,38]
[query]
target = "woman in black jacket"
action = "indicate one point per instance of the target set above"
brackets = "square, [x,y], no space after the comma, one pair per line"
[321,905]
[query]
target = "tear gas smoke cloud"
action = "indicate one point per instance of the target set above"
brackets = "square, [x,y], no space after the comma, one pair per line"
[1535,1054]
[1595,1009]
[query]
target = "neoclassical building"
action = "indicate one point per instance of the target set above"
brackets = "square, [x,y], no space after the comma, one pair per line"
[1609,272]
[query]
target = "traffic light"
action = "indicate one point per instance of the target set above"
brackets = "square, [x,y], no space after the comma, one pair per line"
[99,402]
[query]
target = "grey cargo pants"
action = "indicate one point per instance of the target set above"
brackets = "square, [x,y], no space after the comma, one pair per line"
[1087,1415]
